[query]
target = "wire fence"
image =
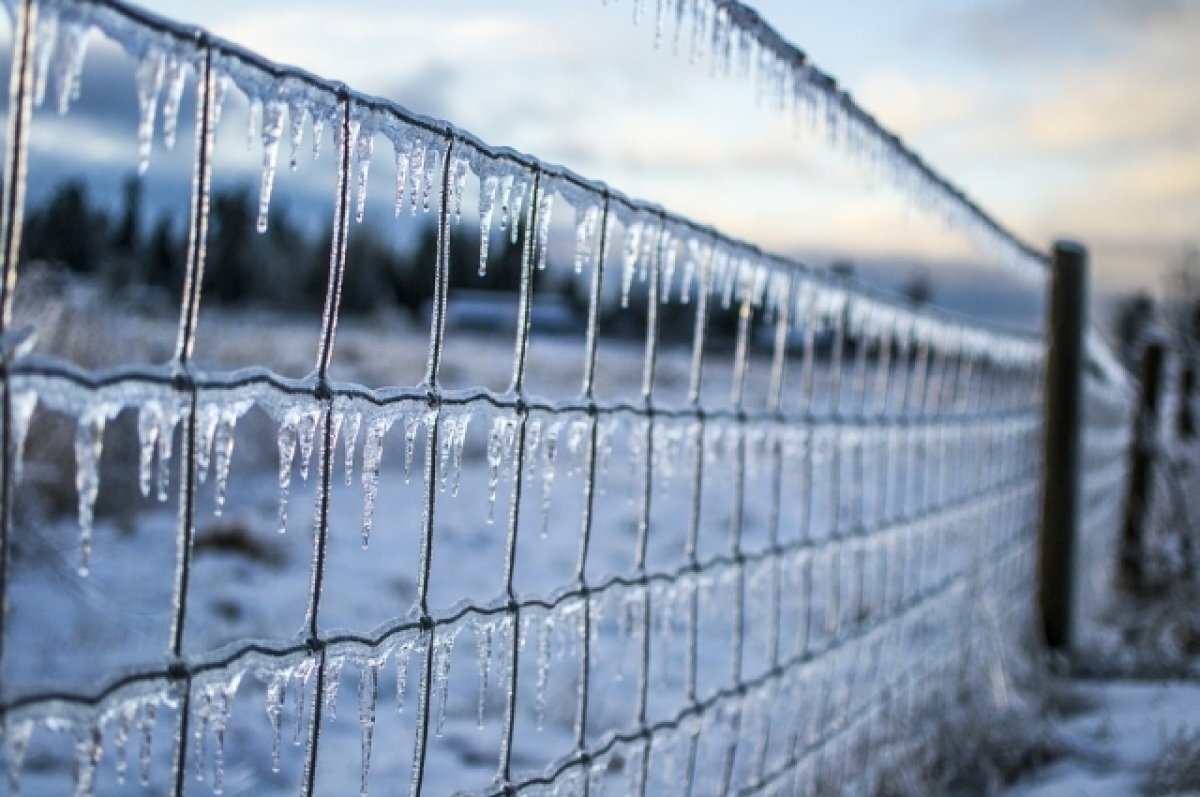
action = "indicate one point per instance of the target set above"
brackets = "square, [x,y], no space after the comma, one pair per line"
[829,529]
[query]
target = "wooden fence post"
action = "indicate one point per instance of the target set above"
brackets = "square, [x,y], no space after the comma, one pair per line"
[1065,359]
[1141,473]
[1186,423]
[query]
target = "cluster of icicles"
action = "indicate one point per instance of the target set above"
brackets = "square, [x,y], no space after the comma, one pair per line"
[652,240]
[130,716]
[554,444]
[736,41]
[678,261]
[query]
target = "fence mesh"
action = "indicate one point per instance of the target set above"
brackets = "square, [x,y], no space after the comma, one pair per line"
[810,523]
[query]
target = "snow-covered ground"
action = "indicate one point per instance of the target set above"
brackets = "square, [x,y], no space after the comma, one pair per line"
[1125,738]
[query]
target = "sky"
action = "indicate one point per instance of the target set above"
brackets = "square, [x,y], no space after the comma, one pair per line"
[1074,119]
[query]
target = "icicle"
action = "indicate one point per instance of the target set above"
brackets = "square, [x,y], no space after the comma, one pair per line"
[206,428]
[549,460]
[487,205]
[459,186]
[368,691]
[352,421]
[149,78]
[176,76]
[545,208]
[69,52]
[586,225]
[125,717]
[333,684]
[432,157]
[296,116]
[364,145]
[276,691]
[219,94]
[413,643]
[149,420]
[412,423]
[299,676]
[633,239]
[272,131]
[403,155]
[318,131]
[146,728]
[456,455]
[45,35]
[307,437]
[254,123]
[223,449]
[24,402]
[484,632]
[443,647]
[416,171]
[499,443]
[372,457]
[543,668]
[16,742]
[166,441]
[88,747]
[287,452]
[89,444]
[517,198]
[218,706]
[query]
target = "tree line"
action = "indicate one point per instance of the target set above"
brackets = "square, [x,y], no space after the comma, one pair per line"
[286,267]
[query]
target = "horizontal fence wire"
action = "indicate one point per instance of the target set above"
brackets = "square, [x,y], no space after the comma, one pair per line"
[878,467]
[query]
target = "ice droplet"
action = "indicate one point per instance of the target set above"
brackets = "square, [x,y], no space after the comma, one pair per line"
[272,131]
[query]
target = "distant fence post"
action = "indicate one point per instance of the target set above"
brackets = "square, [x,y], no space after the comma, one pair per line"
[1066,322]
[1137,504]
[1186,422]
